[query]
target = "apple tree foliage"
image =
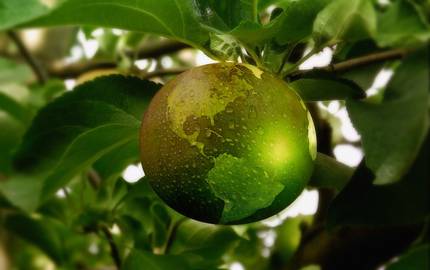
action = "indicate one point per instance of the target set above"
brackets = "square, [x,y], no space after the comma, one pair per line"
[63,199]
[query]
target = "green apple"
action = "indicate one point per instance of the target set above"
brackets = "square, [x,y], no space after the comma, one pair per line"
[227,144]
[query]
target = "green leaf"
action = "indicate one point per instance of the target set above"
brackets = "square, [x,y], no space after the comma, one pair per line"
[13,12]
[14,108]
[225,46]
[10,136]
[402,25]
[17,107]
[289,235]
[401,203]
[248,250]
[311,267]
[14,96]
[22,191]
[172,18]
[225,15]
[134,233]
[329,173]
[12,72]
[142,209]
[38,232]
[415,259]
[15,100]
[403,112]
[138,202]
[42,94]
[345,20]
[254,33]
[57,208]
[208,241]
[292,25]
[161,224]
[327,88]
[112,164]
[77,129]
[149,261]
[296,21]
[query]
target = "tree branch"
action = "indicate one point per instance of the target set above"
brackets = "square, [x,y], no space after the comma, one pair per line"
[356,62]
[158,49]
[40,73]
[76,69]
[163,72]
[154,50]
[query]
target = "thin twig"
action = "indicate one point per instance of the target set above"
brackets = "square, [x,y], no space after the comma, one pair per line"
[368,59]
[171,235]
[40,73]
[155,50]
[357,62]
[59,70]
[94,179]
[113,248]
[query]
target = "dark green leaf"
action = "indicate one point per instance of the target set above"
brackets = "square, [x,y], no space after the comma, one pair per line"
[78,128]
[327,88]
[329,173]
[345,20]
[404,202]
[415,259]
[392,131]
[402,25]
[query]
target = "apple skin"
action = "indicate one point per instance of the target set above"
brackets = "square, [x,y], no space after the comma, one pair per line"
[227,143]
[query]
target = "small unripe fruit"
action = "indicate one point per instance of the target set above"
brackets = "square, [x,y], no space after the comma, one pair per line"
[227,144]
